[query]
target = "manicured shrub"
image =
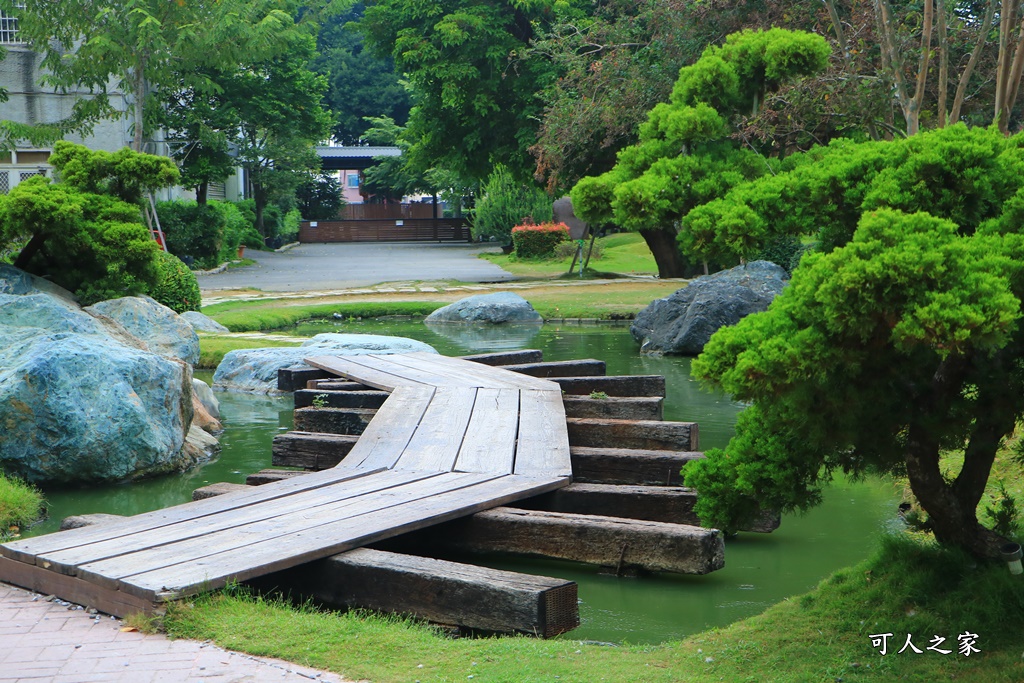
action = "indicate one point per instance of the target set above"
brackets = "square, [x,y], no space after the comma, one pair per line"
[191,229]
[505,203]
[176,286]
[538,241]
[235,228]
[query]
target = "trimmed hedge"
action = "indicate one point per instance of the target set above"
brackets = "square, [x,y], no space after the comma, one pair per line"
[538,241]
[176,285]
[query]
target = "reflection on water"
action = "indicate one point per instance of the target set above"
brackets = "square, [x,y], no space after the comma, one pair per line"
[760,569]
[486,338]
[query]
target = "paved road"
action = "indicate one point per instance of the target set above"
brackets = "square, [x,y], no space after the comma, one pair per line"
[337,266]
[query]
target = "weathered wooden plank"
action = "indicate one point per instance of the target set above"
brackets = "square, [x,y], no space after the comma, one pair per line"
[304,398]
[654,503]
[310,451]
[438,438]
[612,407]
[507,357]
[389,432]
[484,372]
[561,368]
[643,434]
[75,590]
[350,367]
[543,446]
[203,535]
[614,385]
[278,535]
[629,466]
[405,366]
[622,544]
[455,372]
[490,441]
[26,549]
[269,476]
[445,592]
[296,377]
[329,539]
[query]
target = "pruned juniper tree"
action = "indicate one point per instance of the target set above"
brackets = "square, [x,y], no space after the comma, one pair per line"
[686,155]
[901,339]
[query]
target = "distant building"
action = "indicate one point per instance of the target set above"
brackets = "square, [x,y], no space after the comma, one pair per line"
[32,103]
[349,164]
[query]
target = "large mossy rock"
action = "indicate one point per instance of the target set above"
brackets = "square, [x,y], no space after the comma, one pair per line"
[255,370]
[163,330]
[684,321]
[81,399]
[494,309]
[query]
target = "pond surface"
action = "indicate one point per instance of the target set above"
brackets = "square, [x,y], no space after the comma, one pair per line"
[761,569]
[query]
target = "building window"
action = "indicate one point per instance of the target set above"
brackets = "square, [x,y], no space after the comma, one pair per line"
[352,180]
[9,26]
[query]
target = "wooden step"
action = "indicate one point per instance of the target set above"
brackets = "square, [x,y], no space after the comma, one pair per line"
[561,368]
[669,504]
[614,407]
[641,434]
[629,466]
[613,385]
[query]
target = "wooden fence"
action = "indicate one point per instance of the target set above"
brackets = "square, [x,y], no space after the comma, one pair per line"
[384,212]
[394,230]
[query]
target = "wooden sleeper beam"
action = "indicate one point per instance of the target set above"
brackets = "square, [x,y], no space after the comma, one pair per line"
[671,504]
[624,545]
[471,597]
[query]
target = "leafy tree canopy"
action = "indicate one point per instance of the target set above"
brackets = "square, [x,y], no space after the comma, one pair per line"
[902,343]
[685,156]
[319,197]
[136,44]
[969,176]
[360,84]
[475,92]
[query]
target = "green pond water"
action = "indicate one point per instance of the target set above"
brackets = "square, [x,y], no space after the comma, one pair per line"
[760,570]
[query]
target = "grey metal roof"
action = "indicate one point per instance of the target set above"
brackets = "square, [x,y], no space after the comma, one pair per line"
[358,152]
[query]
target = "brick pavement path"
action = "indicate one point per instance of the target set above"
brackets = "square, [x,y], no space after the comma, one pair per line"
[54,642]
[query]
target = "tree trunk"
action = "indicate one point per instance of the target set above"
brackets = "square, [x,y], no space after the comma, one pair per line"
[139,85]
[1007,18]
[952,522]
[952,506]
[259,196]
[202,191]
[965,77]
[30,250]
[940,10]
[662,244]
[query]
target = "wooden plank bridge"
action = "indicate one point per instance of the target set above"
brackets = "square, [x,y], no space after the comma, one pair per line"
[454,438]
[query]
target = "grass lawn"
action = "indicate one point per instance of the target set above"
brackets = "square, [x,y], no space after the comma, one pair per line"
[213,347]
[909,587]
[607,301]
[622,253]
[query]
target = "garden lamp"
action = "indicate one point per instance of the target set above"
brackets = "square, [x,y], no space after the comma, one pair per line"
[1012,553]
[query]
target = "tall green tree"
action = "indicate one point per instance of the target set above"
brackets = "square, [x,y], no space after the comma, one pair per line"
[360,84]
[878,356]
[686,154]
[139,45]
[277,103]
[474,86]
